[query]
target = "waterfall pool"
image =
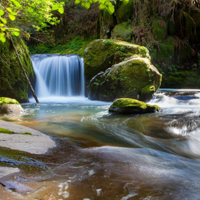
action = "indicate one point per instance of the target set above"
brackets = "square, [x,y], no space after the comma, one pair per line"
[115,157]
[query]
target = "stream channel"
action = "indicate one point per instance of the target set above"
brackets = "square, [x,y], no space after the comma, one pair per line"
[110,157]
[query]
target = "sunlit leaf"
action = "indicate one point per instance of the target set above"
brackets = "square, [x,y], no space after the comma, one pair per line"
[101,7]
[2,37]
[3,20]
[15,33]
[12,17]
[61,10]
[87,5]
[111,9]
[77,1]
[1,12]
[9,10]
[55,7]
[125,1]
[1,25]
[17,4]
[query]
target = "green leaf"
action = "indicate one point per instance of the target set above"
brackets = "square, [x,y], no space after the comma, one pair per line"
[61,10]
[9,10]
[2,37]
[1,25]
[17,4]
[15,33]
[87,5]
[55,7]
[101,7]
[102,1]
[12,17]
[77,1]
[3,20]
[111,9]
[3,29]
[1,12]
[125,1]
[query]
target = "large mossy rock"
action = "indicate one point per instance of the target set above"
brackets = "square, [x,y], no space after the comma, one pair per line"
[12,81]
[103,53]
[119,69]
[10,106]
[132,106]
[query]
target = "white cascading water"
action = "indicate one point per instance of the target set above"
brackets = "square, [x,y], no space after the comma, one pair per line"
[60,76]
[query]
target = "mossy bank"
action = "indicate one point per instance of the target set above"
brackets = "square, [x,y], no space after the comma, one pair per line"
[12,81]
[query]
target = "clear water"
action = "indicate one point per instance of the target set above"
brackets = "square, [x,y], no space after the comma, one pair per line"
[104,156]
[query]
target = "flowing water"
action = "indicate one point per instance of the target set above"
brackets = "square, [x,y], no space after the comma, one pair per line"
[101,156]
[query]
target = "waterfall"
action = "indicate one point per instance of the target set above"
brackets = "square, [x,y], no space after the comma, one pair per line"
[56,75]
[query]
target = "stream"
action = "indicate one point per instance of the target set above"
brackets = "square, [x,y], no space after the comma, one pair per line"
[101,156]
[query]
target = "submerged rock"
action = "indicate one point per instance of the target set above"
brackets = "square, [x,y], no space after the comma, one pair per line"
[132,106]
[9,106]
[116,69]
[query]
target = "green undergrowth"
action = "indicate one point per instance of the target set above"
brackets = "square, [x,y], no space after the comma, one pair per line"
[3,130]
[75,46]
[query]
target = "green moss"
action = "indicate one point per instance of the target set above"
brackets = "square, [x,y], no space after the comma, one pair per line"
[22,160]
[132,106]
[148,89]
[127,102]
[12,81]
[159,29]
[25,133]
[130,78]
[5,100]
[125,11]
[165,52]
[101,55]
[75,46]
[123,32]
[182,79]
[3,130]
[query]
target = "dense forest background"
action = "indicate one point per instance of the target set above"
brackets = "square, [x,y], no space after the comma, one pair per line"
[170,29]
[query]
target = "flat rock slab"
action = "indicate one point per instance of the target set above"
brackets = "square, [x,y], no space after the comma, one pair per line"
[36,143]
[4,171]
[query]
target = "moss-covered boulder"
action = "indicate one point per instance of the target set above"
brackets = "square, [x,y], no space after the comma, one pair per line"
[134,78]
[132,106]
[119,69]
[9,106]
[102,54]
[12,81]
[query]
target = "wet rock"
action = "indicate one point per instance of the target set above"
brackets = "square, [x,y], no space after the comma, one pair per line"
[10,106]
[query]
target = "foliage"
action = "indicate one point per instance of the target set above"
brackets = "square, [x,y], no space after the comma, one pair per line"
[75,46]
[108,5]
[22,16]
